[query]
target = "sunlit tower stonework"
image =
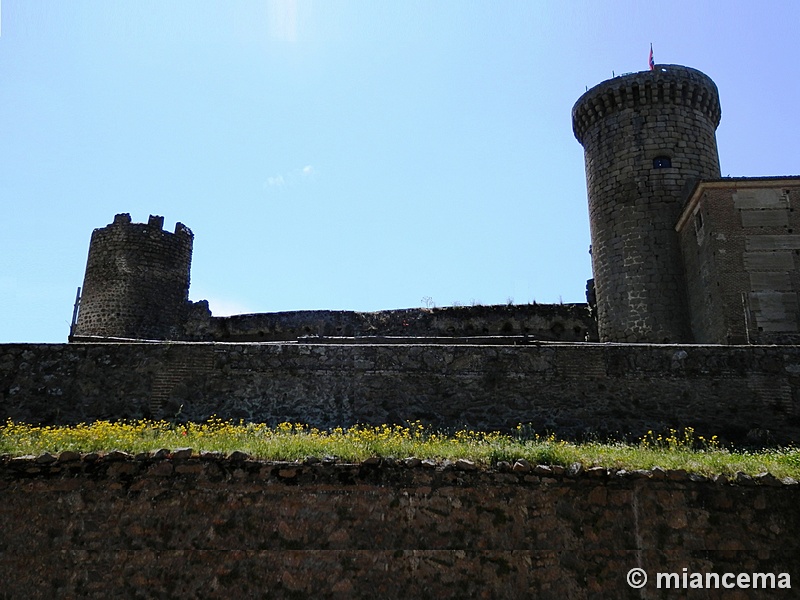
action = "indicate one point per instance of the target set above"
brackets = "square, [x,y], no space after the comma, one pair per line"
[647,137]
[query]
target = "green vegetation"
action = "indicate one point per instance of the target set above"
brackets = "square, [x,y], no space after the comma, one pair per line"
[287,441]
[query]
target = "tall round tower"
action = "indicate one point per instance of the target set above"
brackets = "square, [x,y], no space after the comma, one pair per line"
[137,281]
[645,136]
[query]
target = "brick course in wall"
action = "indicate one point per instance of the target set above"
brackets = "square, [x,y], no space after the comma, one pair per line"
[161,527]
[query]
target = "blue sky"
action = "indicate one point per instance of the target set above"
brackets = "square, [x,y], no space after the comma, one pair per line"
[345,155]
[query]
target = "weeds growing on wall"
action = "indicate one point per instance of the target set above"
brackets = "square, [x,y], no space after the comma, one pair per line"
[294,441]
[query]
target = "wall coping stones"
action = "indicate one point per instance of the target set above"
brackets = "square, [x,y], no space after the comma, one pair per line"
[311,471]
[492,340]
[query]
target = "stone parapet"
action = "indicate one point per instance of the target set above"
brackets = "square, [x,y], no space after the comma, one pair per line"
[673,84]
[550,322]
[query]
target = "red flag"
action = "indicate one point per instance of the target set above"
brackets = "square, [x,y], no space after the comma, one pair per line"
[652,64]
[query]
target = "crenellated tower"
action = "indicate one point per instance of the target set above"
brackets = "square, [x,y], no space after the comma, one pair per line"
[137,281]
[645,137]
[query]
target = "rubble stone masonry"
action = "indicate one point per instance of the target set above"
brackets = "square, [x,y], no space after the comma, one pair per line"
[137,280]
[178,525]
[740,393]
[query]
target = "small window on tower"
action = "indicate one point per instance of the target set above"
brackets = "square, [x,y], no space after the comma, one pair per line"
[698,228]
[662,162]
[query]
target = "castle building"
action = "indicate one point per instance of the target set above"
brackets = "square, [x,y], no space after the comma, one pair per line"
[696,298]
[645,135]
[680,254]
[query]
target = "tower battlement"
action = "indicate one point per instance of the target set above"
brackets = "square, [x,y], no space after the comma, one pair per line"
[155,223]
[665,84]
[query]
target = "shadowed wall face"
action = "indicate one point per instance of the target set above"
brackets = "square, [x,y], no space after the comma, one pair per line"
[205,527]
[645,135]
[736,392]
[137,281]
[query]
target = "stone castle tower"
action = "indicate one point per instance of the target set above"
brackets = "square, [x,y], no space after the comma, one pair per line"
[647,137]
[137,281]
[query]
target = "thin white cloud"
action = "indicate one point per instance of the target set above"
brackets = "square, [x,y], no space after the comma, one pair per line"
[283,20]
[282,180]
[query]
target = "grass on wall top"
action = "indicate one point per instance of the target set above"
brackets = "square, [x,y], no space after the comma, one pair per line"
[290,442]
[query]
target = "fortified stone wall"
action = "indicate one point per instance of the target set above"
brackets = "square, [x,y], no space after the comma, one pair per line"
[645,135]
[554,322]
[137,281]
[188,527]
[740,393]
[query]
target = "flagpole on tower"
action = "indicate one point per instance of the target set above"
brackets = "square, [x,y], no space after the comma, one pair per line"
[651,62]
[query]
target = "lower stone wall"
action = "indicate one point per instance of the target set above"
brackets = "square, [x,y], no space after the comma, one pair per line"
[739,393]
[172,527]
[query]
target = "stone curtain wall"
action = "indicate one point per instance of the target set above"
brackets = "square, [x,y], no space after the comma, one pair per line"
[177,526]
[739,393]
[554,322]
[624,124]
